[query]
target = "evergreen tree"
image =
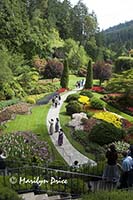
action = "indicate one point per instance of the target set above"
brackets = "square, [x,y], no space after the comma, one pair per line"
[65,75]
[89,77]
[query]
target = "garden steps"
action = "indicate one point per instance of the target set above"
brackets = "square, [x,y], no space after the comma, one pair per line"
[67,151]
[32,196]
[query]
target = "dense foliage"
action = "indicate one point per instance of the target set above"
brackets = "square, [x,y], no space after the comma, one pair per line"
[53,69]
[65,75]
[105,133]
[30,148]
[119,38]
[123,63]
[102,71]
[89,76]
[73,107]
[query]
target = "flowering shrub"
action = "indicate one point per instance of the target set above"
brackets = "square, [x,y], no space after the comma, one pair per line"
[33,98]
[109,117]
[130,109]
[62,90]
[84,100]
[121,146]
[24,146]
[88,124]
[97,89]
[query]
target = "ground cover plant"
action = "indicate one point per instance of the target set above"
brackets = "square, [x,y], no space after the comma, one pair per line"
[35,122]
[24,147]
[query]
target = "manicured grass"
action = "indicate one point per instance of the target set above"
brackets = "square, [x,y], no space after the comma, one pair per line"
[35,122]
[72,81]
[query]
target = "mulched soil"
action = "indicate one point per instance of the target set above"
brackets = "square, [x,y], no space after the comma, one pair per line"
[8,112]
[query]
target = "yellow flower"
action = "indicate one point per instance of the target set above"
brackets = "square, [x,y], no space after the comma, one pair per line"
[84,100]
[109,117]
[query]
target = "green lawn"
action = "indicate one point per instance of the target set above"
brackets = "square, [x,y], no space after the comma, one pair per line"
[35,122]
[72,81]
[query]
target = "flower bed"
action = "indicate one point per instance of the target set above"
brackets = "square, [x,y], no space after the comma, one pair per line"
[109,117]
[62,90]
[98,89]
[24,146]
[84,100]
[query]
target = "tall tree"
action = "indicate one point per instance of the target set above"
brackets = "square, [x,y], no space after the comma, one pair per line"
[102,71]
[89,77]
[65,75]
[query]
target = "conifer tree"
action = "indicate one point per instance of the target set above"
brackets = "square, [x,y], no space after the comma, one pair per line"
[65,75]
[89,77]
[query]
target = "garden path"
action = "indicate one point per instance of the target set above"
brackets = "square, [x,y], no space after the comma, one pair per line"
[67,151]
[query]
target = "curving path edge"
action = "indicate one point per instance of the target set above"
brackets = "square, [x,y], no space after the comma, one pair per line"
[67,151]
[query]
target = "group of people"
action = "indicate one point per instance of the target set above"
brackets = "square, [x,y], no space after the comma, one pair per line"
[112,170]
[56,100]
[80,83]
[55,128]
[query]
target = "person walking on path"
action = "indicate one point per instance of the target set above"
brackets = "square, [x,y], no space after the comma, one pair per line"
[60,137]
[57,125]
[51,127]
[56,101]
[111,171]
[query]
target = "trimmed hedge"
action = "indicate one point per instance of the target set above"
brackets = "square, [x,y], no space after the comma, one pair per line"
[105,133]
[97,103]
[73,107]
[87,93]
[72,97]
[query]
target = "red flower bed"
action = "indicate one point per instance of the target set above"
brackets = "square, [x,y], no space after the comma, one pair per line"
[125,123]
[130,109]
[62,90]
[97,89]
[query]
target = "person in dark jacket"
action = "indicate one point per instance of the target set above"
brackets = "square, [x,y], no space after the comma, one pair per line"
[111,171]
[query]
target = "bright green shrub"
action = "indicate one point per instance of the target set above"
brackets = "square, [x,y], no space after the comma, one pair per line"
[78,186]
[4,104]
[73,107]
[123,63]
[87,93]
[72,97]
[8,194]
[109,195]
[81,137]
[105,133]
[97,103]
[31,100]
